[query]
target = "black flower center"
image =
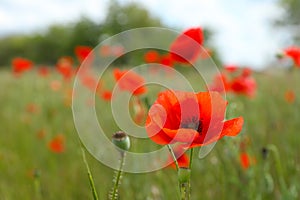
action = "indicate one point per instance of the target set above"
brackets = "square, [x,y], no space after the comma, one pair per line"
[192,123]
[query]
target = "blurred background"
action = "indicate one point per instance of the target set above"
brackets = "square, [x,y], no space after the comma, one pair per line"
[242,32]
[40,155]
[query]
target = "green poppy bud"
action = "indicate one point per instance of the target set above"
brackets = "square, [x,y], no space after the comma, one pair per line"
[121,140]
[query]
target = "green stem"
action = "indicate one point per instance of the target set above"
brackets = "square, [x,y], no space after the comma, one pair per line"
[114,194]
[184,175]
[173,156]
[282,183]
[94,192]
[191,157]
[37,188]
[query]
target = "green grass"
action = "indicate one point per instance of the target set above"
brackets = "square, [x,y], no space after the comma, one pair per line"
[269,119]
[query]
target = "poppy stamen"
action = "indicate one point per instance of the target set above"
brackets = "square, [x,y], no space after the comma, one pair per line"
[193,123]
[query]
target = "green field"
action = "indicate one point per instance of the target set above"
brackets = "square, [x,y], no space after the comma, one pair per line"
[269,120]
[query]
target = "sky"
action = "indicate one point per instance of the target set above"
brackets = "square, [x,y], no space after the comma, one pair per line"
[243,34]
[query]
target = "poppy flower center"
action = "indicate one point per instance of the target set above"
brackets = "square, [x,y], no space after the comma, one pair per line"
[192,123]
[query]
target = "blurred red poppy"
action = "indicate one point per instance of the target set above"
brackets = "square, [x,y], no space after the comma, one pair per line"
[57,144]
[290,96]
[43,71]
[244,85]
[82,52]
[20,65]
[231,68]
[195,119]
[65,67]
[106,95]
[220,83]
[32,108]
[244,160]
[187,46]
[294,53]
[105,50]
[55,85]
[166,60]
[129,80]
[151,56]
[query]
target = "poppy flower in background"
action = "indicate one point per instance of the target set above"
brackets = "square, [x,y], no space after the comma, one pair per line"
[231,68]
[151,56]
[194,119]
[32,108]
[57,144]
[294,53]
[182,159]
[290,96]
[246,160]
[129,80]
[106,95]
[82,52]
[139,111]
[166,60]
[220,83]
[117,51]
[90,82]
[186,47]
[105,50]
[244,85]
[55,85]
[20,65]
[65,67]
[43,71]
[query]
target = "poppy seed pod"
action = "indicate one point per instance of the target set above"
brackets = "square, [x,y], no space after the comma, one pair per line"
[121,140]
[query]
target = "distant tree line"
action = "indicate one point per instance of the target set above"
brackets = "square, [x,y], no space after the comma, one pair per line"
[45,47]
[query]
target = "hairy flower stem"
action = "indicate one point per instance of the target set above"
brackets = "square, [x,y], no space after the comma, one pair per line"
[184,175]
[117,178]
[94,192]
[173,156]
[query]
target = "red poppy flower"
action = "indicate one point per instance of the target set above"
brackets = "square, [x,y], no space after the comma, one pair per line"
[32,108]
[245,160]
[65,67]
[105,50]
[57,144]
[182,159]
[21,65]
[290,96]
[220,83]
[231,68]
[129,80]
[117,51]
[166,60]
[90,82]
[106,95]
[187,47]
[294,53]
[189,118]
[82,52]
[43,71]
[151,57]
[244,85]
[55,85]
[139,111]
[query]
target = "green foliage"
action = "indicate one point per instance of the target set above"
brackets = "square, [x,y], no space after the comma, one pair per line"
[269,119]
[291,19]
[60,39]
